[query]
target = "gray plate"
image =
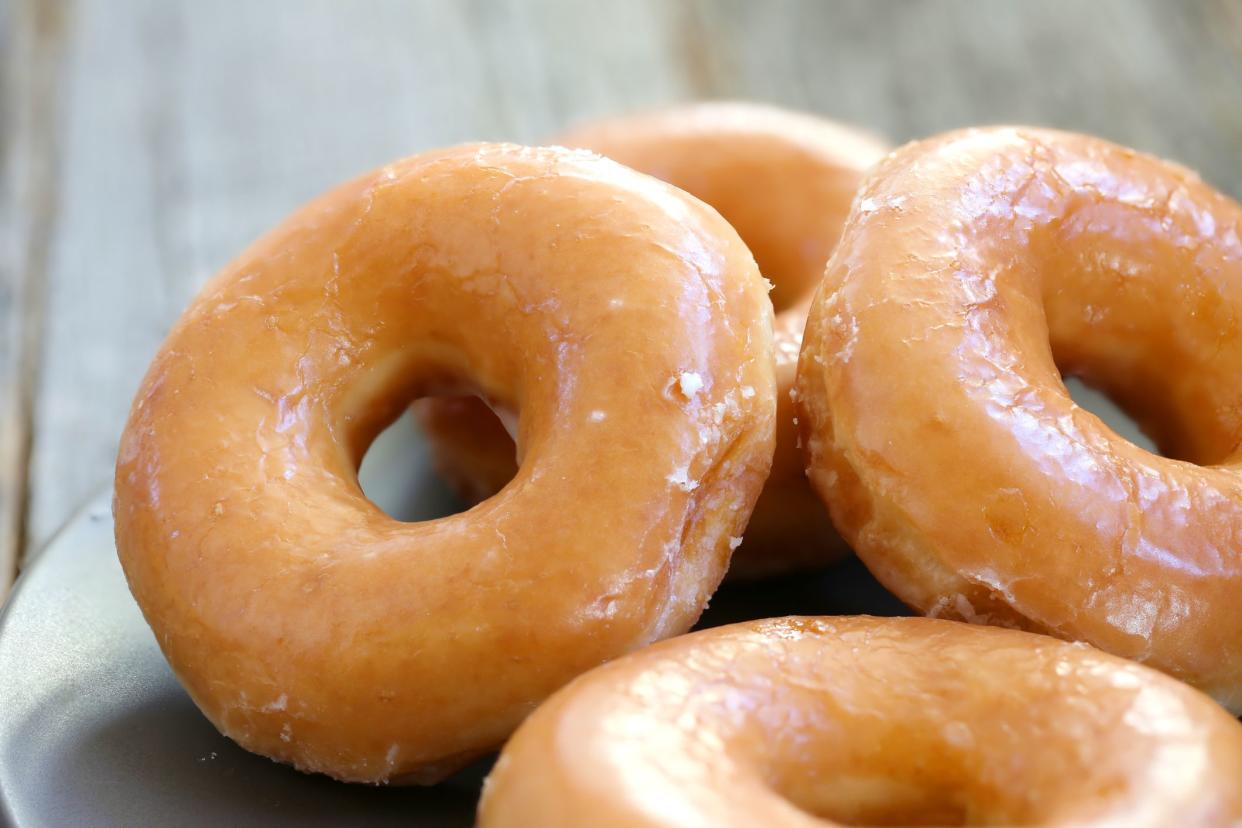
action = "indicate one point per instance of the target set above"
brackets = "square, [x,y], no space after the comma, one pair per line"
[94,729]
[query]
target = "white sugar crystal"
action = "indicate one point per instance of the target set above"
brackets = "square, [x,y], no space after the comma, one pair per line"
[280,704]
[681,480]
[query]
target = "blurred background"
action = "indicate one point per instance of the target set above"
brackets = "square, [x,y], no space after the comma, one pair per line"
[146,142]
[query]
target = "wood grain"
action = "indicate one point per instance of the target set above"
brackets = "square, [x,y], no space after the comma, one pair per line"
[33,41]
[170,133]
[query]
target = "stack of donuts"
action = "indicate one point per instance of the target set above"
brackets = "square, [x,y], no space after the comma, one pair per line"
[587,334]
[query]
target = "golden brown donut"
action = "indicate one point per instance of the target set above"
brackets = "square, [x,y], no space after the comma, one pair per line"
[314,629]
[976,268]
[869,721]
[784,180]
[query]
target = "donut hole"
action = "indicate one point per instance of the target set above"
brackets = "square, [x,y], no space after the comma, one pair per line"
[1116,417]
[395,476]
[1135,394]
[411,480]
[1133,313]
[878,801]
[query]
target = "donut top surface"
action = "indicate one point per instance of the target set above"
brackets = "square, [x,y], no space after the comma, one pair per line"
[869,721]
[623,319]
[975,269]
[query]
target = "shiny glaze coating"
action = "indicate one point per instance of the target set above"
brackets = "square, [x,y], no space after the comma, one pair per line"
[784,180]
[311,627]
[897,721]
[976,267]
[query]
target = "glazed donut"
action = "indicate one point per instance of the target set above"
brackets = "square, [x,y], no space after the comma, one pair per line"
[311,627]
[784,181]
[976,268]
[869,721]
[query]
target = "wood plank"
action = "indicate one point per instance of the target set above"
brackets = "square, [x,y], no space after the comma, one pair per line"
[1163,77]
[33,39]
[189,128]
[12,434]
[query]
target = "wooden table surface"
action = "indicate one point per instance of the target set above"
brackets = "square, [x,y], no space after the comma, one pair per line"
[145,142]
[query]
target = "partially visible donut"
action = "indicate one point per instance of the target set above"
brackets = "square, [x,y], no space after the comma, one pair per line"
[867,721]
[976,268]
[311,627]
[784,180]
